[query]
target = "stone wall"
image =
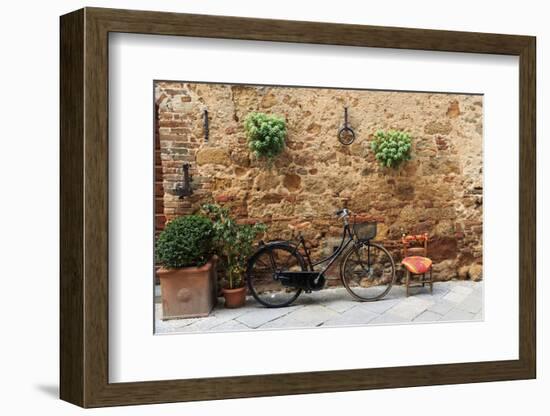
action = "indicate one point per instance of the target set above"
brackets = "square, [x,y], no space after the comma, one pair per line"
[439,191]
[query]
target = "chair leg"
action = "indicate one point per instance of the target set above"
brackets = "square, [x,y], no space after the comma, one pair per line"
[423,279]
[407,281]
[431,282]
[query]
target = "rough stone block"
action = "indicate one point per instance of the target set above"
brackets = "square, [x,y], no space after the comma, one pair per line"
[213,155]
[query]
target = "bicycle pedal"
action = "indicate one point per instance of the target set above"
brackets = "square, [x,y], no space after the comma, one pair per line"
[308,291]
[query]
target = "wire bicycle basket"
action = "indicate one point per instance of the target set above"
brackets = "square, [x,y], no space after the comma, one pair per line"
[364,230]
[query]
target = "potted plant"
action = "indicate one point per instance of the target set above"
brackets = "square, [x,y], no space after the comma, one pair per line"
[391,148]
[265,134]
[184,249]
[234,244]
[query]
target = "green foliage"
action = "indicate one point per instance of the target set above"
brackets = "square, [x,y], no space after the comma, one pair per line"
[266,134]
[233,242]
[391,147]
[185,242]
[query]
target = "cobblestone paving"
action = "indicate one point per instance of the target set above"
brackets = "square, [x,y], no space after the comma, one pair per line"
[450,301]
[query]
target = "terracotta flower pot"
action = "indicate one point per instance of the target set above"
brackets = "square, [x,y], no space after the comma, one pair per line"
[189,292]
[234,298]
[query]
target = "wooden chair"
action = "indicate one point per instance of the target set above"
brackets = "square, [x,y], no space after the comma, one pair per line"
[416,261]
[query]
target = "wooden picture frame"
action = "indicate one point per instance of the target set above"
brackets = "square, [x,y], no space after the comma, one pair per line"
[84,207]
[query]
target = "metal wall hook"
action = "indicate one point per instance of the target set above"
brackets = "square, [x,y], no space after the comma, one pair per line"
[185,189]
[346,135]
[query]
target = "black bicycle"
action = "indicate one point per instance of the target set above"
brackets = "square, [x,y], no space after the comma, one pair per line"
[279,271]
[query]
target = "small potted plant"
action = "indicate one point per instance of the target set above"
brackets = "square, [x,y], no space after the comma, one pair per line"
[266,135]
[184,249]
[234,244]
[391,148]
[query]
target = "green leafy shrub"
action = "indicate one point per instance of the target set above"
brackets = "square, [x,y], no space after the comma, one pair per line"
[266,134]
[185,241]
[391,147]
[233,242]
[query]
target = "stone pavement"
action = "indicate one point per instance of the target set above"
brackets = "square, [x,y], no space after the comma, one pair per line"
[451,301]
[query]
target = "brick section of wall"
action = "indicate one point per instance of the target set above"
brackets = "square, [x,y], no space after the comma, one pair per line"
[160,219]
[439,191]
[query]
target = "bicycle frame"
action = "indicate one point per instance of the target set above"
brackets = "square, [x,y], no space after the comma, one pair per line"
[347,239]
[310,276]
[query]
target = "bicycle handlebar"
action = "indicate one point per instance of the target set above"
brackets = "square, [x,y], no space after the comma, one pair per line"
[344,212]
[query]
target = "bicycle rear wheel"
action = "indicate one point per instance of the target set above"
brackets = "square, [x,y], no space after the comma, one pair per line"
[368,271]
[261,271]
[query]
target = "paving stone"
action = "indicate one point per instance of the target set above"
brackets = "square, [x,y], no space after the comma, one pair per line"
[258,317]
[380,306]
[388,318]
[313,315]
[341,306]
[284,322]
[410,308]
[477,294]
[464,290]
[166,327]
[455,297]
[407,312]
[338,299]
[427,316]
[396,292]
[458,315]
[444,285]
[171,325]
[225,314]
[419,291]
[329,295]
[232,325]
[442,307]
[218,316]
[434,297]
[353,316]
[304,300]
[419,300]
[471,304]
[460,282]
[203,324]
[441,289]
[324,296]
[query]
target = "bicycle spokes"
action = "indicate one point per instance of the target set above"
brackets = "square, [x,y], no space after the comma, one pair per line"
[264,271]
[368,272]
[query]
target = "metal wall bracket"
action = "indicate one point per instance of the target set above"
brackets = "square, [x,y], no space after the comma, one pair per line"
[185,189]
[206,127]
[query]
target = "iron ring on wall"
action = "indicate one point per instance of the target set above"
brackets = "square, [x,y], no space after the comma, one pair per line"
[346,135]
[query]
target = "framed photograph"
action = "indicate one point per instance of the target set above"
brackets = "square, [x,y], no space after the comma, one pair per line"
[255,207]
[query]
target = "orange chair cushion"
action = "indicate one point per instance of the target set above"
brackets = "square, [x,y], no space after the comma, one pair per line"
[417,264]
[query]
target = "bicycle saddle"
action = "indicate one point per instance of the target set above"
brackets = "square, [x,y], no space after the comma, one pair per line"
[300,226]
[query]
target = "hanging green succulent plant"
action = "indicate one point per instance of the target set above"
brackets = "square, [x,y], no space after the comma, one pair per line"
[266,134]
[391,148]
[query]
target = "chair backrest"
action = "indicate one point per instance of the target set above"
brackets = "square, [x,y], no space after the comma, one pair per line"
[415,245]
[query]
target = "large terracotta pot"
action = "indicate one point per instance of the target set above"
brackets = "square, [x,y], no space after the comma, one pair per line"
[189,292]
[234,298]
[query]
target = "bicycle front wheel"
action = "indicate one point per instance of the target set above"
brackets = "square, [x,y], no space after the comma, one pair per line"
[368,271]
[261,274]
